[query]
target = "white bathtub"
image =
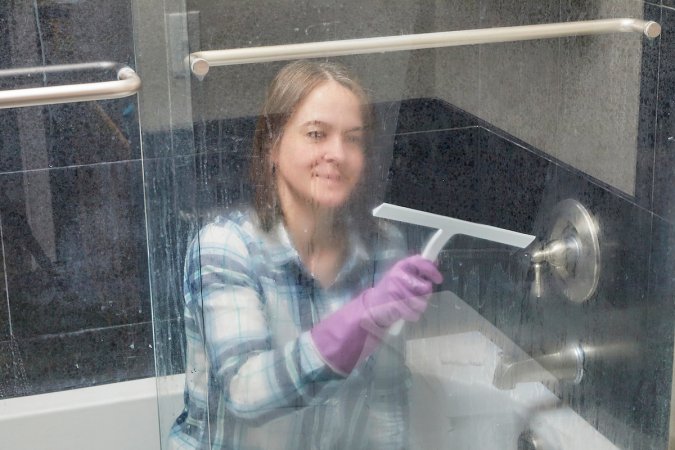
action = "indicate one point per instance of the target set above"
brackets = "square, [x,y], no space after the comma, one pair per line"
[452,401]
[118,416]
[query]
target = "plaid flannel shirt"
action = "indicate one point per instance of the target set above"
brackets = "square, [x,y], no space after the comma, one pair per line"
[254,379]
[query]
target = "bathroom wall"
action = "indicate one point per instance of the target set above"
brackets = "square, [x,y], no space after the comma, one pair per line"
[75,308]
[526,125]
[633,310]
[558,89]
[480,173]
[663,137]
[662,169]
[631,317]
[547,103]
[73,224]
[257,24]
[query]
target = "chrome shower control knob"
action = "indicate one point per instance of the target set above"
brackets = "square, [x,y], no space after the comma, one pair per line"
[572,252]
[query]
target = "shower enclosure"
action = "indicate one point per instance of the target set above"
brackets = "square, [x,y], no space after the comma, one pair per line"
[564,341]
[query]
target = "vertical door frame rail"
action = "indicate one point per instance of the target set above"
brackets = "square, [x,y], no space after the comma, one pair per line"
[200,62]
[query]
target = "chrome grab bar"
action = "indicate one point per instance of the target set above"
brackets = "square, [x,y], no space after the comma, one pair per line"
[127,83]
[200,62]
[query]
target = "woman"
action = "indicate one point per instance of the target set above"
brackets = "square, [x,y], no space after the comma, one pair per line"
[286,302]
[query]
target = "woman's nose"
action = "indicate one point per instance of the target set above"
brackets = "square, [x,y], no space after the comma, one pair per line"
[335,149]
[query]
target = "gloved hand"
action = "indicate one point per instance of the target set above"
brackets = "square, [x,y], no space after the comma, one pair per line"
[403,292]
[352,333]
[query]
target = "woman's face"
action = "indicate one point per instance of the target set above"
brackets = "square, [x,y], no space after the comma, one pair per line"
[320,157]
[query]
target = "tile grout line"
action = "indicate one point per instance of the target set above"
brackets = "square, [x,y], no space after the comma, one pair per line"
[72,166]
[4,272]
[84,331]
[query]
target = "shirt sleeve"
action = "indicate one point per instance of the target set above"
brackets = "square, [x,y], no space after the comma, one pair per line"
[258,382]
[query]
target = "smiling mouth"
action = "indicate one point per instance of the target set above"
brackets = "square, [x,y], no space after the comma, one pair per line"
[328,176]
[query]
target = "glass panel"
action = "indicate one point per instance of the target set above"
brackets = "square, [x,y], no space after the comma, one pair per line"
[290,286]
[75,315]
[75,309]
[172,190]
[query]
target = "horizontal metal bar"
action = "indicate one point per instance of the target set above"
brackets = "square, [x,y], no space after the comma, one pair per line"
[127,83]
[200,62]
[60,68]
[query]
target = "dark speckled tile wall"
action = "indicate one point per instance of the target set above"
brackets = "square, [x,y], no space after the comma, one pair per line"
[76,265]
[480,176]
[71,360]
[78,133]
[649,91]
[71,134]
[72,216]
[83,264]
[71,209]
[664,159]
[471,171]
[4,307]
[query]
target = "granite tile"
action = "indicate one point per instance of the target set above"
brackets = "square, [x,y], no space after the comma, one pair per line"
[19,23]
[441,163]
[92,132]
[664,161]
[69,34]
[483,176]
[473,174]
[13,377]
[10,146]
[386,75]
[5,20]
[457,78]
[649,88]
[425,114]
[70,134]
[75,248]
[78,133]
[456,69]
[520,81]
[614,395]
[511,183]
[5,313]
[73,360]
[599,109]
[657,323]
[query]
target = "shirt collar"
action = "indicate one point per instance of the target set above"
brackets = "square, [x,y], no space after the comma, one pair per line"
[281,250]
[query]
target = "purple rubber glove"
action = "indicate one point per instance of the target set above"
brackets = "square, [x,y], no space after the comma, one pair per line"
[353,332]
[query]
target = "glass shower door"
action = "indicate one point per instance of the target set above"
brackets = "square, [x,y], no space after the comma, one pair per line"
[566,343]
[76,311]
[72,203]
